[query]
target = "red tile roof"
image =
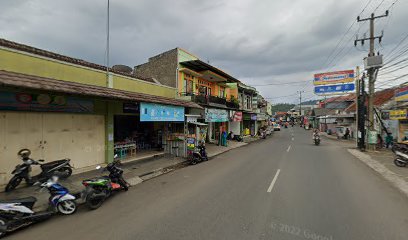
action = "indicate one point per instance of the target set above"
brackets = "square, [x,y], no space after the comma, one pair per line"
[19,80]
[349,97]
[380,98]
[59,57]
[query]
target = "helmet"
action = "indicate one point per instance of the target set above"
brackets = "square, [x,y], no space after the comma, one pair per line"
[24,153]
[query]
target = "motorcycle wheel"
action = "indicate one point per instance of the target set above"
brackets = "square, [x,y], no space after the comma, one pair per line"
[13,183]
[92,202]
[64,172]
[2,223]
[399,163]
[67,207]
[124,184]
[193,161]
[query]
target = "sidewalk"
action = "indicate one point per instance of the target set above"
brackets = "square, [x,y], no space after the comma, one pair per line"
[382,162]
[134,172]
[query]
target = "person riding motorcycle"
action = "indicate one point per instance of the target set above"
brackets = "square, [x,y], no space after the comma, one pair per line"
[316,133]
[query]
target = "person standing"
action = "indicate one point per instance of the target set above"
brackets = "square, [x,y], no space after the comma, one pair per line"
[388,140]
[347,133]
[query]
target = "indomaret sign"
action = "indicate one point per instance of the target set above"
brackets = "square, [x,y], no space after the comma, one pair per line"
[337,77]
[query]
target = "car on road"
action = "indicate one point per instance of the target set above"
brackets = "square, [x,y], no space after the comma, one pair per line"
[276,127]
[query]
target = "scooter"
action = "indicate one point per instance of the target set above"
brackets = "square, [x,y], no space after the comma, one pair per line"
[18,213]
[60,168]
[199,155]
[316,139]
[100,188]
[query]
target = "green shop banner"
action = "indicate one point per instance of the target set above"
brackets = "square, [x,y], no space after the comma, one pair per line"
[44,102]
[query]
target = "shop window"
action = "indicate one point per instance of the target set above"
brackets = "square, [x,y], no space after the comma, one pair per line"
[188,86]
[203,90]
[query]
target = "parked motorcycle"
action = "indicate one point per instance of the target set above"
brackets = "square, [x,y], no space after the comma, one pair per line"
[401,159]
[18,213]
[60,168]
[100,188]
[199,155]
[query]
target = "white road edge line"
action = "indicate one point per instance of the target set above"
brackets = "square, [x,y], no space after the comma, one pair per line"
[273,181]
[288,148]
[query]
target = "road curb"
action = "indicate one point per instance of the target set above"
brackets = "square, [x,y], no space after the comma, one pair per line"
[395,180]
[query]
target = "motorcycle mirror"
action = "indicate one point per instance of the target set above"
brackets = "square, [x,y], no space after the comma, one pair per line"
[98,167]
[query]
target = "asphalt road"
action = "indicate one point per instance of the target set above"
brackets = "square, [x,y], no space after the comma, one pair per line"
[321,192]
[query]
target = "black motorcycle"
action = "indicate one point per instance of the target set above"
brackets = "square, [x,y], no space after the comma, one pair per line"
[60,168]
[18,213]
[100,188]
[199,155]
[316,139]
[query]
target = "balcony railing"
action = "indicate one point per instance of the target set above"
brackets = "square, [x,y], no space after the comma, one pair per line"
[217,100]
[234,105]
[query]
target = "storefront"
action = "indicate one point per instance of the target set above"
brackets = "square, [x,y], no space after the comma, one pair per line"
[147,127]
[217,120]
[235,122]
[401,116]
[249,124]
[53,126]
[196,132]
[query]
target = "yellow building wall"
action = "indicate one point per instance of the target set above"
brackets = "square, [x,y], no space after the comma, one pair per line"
[37,66]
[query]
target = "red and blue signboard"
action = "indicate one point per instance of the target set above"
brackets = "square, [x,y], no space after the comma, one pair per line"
[401,94]
[337,77]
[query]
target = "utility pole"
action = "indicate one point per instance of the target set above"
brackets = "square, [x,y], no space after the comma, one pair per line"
[300,102]
[357,83]
[361,114]
[371,69]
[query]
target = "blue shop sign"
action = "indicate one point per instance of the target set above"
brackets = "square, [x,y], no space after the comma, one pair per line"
[340,88]
[152,112]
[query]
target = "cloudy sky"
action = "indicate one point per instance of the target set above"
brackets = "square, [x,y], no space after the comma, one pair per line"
[258,41]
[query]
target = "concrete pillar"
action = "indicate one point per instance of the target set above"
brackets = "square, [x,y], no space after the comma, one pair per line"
[109,131]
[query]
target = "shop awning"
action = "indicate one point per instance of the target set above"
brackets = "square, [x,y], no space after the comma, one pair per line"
[198,123]
[19,80]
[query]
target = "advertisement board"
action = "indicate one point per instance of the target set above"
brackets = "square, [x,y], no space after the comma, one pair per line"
[152,112]
[401,94]
[398,114]
[216,115]
[337,77]
[44,102]
[237,117]
[333,89]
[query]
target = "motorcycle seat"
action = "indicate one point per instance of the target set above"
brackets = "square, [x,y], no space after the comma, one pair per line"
[53,163]
[27,201]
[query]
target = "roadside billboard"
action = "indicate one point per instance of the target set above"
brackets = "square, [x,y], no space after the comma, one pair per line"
[334,89]
[401,94]
[337,77]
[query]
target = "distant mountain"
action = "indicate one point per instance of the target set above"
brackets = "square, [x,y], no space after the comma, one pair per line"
[282,107]
[310,102]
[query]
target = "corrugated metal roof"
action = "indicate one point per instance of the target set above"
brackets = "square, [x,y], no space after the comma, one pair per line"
[60,57]
[13,79]
[380,98]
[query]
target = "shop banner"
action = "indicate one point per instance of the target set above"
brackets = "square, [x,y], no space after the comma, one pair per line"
[253,117]
[152,112]
[131,108]
[401,94]
[216,115]
[44,103]
[237,117]
[334,89]
[398,114]
[261,117]
[334,77]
